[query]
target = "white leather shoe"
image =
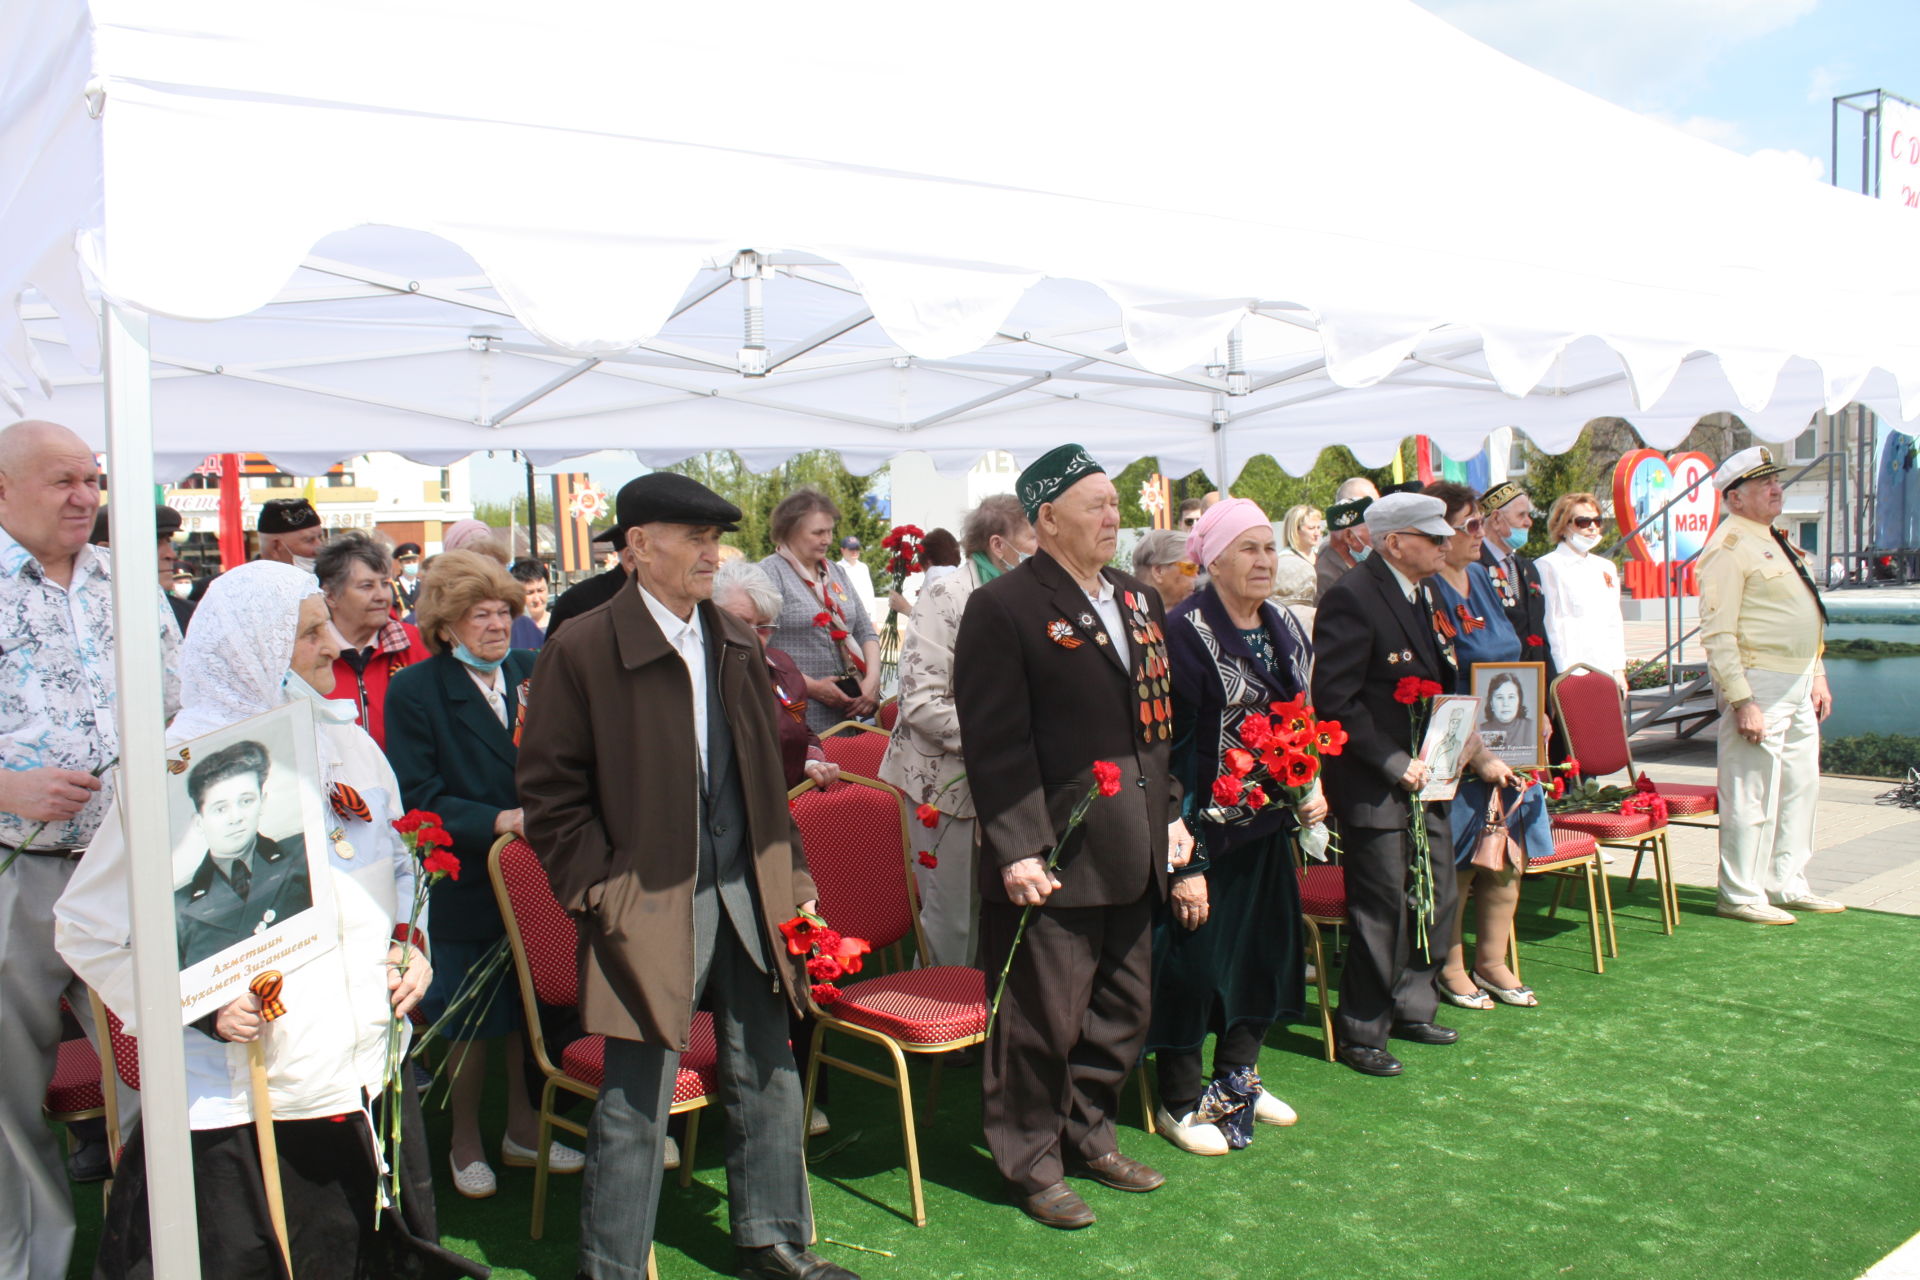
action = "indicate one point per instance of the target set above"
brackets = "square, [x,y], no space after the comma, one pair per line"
[817,1123]
[560,1159]
[1268,1109]
[476,1181]
[1190,1135]
[1755,913]
[1809,902]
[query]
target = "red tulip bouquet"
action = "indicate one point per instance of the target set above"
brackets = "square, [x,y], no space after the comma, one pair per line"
[1106,782]
[1279,756]
[426,838]
[829,955]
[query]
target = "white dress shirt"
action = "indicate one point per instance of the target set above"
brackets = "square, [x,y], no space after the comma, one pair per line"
[1583,609]
[1107,605]
[490,683]
[1408,587]
[689,640]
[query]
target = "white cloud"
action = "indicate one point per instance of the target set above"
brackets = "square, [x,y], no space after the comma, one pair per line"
[1793,163]
[1724,133]
[1640,53]
[1827,81]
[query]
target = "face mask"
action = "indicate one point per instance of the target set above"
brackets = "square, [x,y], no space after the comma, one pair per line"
[303,563]
[465,655]
[410,570]
[1517,538]
[336,710]
[183,589]
[1361,553]
[1583,541]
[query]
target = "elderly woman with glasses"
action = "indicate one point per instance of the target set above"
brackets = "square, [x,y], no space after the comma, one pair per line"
[1160,561]
[1582,590]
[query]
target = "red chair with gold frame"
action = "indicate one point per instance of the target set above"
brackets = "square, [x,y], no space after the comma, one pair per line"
[1586,703]
[1323,903]
[1575,856]
[855,747]
[889,714]
[855,836]
[545,945]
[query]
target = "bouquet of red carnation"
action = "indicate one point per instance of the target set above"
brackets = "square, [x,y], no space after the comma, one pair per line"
[829,955]
[1417,695]
[904,544]
[425,836]
[1279,755]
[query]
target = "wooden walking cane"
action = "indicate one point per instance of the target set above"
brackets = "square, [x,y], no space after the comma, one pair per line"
[267,987]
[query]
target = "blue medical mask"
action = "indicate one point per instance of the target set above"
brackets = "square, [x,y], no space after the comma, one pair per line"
[1361,553]
[335,710]
[1517,537]
[465,655]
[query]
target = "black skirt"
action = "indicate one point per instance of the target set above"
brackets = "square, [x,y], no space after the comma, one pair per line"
[327,1178]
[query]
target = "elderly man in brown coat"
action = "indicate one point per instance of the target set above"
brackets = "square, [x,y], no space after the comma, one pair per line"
[651,778]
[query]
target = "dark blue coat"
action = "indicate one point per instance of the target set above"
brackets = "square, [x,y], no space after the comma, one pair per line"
[453,758]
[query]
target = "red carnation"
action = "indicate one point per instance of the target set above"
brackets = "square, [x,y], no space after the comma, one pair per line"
[1239,761]
[825,993]
[1299,769]
[929,859]
[822,619]
[1559,788]
[1106,776]
[837,634]
[1573,767]
[1256,732]
[440,862]
[1227,789]
[1536,642]
[1431,688]
[799,934]
[414,819]
[1642,784]
[1407,691]
[433,837]
[928,815]
[826,941]
[824,968]
[1256,799]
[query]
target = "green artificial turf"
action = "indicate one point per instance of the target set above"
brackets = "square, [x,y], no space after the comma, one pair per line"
[1734,1101]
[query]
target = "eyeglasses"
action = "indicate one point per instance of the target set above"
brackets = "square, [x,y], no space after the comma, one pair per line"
[1189,521]
[1586,522]
[1471,528]
[1187,568]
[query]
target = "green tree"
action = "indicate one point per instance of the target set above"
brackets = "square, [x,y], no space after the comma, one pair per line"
[1262,480]
[757,493]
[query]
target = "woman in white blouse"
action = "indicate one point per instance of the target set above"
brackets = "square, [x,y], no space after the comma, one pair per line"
[1582,591]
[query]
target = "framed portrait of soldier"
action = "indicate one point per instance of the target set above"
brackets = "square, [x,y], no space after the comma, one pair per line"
[1513,716]
[1445,747]
[249,845]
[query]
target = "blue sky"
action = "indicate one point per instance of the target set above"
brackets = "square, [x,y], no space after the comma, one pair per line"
[1753,75]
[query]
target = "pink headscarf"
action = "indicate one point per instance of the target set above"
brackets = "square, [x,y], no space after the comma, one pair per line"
[1223,522]
[462,534]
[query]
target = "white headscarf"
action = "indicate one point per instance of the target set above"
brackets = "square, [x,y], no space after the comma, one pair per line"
[235,661]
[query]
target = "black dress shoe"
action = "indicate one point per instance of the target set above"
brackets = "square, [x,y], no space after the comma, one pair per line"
[1056,1206]
[1368,1060]
[1123,1173]
[787,1261]
[1424,1033]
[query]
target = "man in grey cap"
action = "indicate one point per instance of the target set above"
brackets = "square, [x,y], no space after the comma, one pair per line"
[1763,628]
[651,776]
[1374,629]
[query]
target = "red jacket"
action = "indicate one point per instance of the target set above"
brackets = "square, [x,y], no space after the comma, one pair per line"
[395,645]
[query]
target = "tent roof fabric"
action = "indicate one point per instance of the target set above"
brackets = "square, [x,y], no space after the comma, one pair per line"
[974,241]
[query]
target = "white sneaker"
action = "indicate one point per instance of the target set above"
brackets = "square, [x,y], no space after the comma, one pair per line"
[1190,1135]
[817,1123]
[1268,1109]
[673,1154]
[560,1159]
[1755,913]
[476,1181]
[1808,902]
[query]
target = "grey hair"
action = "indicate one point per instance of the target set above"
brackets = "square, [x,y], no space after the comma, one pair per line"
[1355,487]
[345,549]
[1158,547]
[744,575]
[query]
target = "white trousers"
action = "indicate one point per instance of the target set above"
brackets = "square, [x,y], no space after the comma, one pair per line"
[949,891]
[1767,794]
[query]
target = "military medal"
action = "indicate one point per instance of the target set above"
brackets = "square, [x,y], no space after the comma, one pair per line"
[1060,631]
[341,845]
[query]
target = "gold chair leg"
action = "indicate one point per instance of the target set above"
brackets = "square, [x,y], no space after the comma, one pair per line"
[653,1268]
[1513,939]
[813,1080]
[1606,904]
[1593,915]
[1559,887]
[1146,1099]
[687,1150]
[911,1135]
[1665,855]
[1320,981]
[540,1160]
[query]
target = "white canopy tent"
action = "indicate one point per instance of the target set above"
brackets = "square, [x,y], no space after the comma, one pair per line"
[1058,217]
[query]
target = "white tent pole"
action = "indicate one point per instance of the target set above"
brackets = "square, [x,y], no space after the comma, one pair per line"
[143,797]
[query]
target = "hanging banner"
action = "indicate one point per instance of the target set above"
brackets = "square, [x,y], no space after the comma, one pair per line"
[1900,152]
[1663,546]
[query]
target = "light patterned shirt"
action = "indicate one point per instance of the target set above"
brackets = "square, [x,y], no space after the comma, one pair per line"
[57,681]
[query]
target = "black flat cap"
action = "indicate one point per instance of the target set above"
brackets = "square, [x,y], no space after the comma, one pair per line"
[406,549]
[166,523]
[287,515]
[667,497]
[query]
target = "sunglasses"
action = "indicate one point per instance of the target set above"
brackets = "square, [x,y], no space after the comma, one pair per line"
[1471,528]
[1586,522]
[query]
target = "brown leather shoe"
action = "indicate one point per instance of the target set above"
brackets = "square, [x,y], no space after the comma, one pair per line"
[1123,1173]
[1057,1206]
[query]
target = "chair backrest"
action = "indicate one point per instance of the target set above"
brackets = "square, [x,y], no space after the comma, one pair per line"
[546,942]
[856,748]
[855,837]
[889,714]
[1586,702]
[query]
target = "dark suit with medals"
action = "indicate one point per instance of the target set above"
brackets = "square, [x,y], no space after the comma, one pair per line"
[1367,636]
[1043,692]
[1525,603]
[212,912]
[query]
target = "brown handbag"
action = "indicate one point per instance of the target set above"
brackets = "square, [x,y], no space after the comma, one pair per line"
[1495,849]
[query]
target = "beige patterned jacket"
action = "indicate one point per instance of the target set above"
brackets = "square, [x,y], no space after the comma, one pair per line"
[924,754]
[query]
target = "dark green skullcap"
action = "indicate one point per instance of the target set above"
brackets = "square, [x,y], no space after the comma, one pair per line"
[1345,515]
[1052,474]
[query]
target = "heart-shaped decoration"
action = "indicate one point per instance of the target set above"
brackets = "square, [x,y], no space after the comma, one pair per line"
[1644,481]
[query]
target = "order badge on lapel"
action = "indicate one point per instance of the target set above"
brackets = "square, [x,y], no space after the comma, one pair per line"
[1060,631]
[1151,671]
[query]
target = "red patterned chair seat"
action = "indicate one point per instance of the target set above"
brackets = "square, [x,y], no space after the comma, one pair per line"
[856,751]
[1685,800]
[1605,826]
[889,714]
[1567,845]
[586,1061]
[1323,892]
[918,1006]
[76,1080]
